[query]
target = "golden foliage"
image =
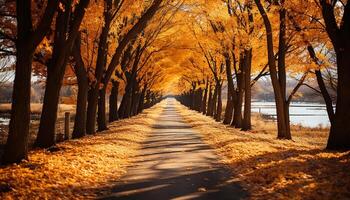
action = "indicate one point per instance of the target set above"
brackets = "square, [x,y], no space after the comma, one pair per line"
[277,169]
[80,169]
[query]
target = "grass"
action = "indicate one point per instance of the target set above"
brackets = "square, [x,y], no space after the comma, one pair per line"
[35,108]
[277,169]
[78,169]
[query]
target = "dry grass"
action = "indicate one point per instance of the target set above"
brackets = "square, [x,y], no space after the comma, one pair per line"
[80,169]
[35,108]
[277,169]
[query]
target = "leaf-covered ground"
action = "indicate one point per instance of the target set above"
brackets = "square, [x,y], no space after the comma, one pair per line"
[78,169]
[277,169]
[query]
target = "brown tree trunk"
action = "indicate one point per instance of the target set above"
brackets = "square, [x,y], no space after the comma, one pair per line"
[99,69]
[219,105]
[210,104]
[237,114]
[327,98]
[205,97]
[80,115]
[279,98]
[282,49]
[246,124]
[113,102]
[17,142]
[83,88]
[92,110]
[214,102]
[230,92]
[46,134]
[142,99]
[124,103]
[101,114]
[63,45]
[16,147]
[339,136]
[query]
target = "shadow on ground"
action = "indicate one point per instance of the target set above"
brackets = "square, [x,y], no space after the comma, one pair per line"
[174,163]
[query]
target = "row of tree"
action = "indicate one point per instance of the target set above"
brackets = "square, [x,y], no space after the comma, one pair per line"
[102,47]
[303,45]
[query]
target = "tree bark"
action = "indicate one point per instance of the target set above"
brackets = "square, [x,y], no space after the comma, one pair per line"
[205,97]
[246,124]
[282,49]
[101,115]
[327,98]
[16,147]
[113,102]
[17,142]
[339,136]
[214,102]
[230,91]
[237,114]
[279,98]
[210,100]
[83,88]
[99,69]
[62,50]
[219,101]
[142,99]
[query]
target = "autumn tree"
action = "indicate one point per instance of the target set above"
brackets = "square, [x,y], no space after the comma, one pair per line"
[338,32]
[67,24]
[29,36]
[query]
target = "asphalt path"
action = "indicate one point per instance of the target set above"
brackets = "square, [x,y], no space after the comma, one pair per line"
[174,163]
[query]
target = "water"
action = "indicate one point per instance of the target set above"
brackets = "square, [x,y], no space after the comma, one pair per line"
[305,114]
[4,121]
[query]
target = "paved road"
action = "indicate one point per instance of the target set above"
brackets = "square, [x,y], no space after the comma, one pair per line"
[174,163]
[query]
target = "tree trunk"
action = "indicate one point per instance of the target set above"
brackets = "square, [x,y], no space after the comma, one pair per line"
[339,136]
[142,100]
[230,92]
[83,88]
[66,31]
[282,49]
[27,40]
[92,110]
[17,142]
[327,98]
[279,98]
[99,69]
[237,114]
[101,118]
[246,124]
[80,114]
[46,134]
[210,104]
[126,98]
[199,100]
[214,101]
[219,106]
[205,97]
[113,102]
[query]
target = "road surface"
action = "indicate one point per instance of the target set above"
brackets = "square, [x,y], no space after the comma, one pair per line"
[174,163]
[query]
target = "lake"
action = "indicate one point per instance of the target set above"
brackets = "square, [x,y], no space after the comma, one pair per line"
[4,121]
[305,114]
